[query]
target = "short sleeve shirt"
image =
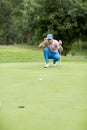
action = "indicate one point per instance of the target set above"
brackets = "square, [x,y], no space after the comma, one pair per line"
[53,47]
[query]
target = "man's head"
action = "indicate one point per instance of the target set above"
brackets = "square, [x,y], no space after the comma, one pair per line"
[49,36]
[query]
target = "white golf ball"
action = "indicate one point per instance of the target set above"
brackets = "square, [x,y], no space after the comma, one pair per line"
[40,78]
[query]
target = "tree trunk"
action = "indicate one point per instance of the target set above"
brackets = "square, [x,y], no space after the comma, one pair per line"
[29,38]
[80,45]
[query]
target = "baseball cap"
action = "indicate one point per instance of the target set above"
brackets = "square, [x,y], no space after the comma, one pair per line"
[49,36]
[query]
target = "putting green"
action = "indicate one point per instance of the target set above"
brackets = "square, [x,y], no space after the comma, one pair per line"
[36,98]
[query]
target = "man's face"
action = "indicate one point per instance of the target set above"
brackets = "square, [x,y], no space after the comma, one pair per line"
[50,40]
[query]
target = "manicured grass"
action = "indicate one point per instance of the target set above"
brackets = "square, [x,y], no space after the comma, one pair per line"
[57,102]
[53,98]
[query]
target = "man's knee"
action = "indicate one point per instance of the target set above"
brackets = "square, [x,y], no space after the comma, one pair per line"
[57,58]
[45,49]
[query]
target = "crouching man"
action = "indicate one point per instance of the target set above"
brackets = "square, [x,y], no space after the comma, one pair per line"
[50,51]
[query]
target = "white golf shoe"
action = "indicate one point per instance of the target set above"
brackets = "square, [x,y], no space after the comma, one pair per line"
[54,65]
[46,66]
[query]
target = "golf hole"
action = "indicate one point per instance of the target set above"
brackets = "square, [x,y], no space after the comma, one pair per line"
[21,106]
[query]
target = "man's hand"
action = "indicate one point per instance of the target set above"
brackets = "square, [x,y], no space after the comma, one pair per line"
[45,40]
[42,44]
[60,49]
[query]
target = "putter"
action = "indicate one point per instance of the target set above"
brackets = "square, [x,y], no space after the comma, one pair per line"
[60,60]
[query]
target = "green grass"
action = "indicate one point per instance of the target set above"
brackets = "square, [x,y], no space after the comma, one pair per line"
[19,53]
[57,102]
[79,48]
[27,53]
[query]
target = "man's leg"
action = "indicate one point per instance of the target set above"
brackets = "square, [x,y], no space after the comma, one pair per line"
[50,55]
[56,57]
[46,55]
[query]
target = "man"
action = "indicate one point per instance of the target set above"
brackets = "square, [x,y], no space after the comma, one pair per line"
[51,47]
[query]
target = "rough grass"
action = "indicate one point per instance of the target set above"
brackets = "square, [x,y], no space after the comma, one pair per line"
[27,53]
[57,102]
[19,53]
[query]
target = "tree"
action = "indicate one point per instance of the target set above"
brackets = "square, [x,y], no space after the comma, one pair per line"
[10,21]
[63,19]
[5,21]
[16,15]
[30,20]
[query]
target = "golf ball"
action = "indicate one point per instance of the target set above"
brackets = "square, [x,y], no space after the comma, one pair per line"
[40,78]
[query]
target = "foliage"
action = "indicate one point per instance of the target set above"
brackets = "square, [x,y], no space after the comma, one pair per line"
[5,21]
[10,26]
[30,21]
[59,17]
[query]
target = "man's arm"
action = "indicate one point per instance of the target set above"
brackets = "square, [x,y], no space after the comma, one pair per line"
[60,49]
[43,44]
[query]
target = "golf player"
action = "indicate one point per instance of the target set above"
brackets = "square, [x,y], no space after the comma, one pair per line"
[51,47]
